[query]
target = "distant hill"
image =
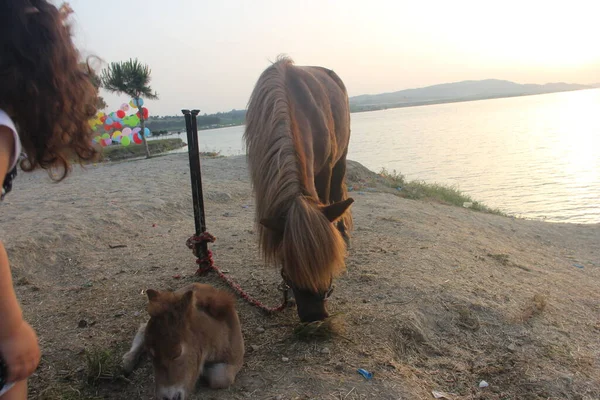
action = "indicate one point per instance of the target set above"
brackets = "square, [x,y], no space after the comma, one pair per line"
[457,91]
[173,123]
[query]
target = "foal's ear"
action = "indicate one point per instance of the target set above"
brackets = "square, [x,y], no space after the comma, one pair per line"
[186,300]
[275,224]
[334,211]
[152,294]
[217,304]
[155,307]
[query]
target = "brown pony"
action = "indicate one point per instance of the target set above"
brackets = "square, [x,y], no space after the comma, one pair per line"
[297,134]
[193,332]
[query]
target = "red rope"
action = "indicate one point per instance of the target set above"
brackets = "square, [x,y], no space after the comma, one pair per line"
[206,264]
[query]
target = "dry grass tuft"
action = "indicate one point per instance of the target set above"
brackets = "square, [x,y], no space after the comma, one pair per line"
[410,338]
[467,319]
[501,258]
[334,326]
[101,365]
[534,307]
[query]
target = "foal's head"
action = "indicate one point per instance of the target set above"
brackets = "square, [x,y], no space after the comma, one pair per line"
[311,250]
[170,342]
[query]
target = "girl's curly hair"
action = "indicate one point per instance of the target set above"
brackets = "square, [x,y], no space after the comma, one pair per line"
[43,87]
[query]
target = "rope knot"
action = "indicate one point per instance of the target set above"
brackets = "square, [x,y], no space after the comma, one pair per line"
[204,237]
[205,264]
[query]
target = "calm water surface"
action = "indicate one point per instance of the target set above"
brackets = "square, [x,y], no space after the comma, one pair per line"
[536,156]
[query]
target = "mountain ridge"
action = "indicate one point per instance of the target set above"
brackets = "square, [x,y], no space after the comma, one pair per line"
[457,91]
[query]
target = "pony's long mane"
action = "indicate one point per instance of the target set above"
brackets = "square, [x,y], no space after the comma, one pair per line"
[310,249]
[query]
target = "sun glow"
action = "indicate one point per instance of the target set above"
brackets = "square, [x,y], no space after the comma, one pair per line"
[582,143]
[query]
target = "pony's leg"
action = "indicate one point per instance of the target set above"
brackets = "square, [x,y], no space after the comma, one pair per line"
[339,193]
[220,375]
[131,358]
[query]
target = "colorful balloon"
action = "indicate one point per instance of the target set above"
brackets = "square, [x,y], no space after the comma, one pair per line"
[132,104]
[120,113]
[125,141]
[131,121]
[139,103]
[105,136]
[109,121]
[137,138]
[124,107]
[126,132]
[146,132]
[116,134]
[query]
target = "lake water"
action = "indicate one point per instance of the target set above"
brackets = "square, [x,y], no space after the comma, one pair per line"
[535,157]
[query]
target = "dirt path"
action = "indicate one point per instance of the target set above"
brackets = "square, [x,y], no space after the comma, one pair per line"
[435,297]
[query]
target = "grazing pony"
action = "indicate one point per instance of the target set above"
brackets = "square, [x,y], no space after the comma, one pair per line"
[193,332]
[297,134]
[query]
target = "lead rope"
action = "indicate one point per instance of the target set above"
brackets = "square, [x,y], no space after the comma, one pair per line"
[207,264]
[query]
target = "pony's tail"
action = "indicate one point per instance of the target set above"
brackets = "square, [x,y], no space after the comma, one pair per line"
[313,249]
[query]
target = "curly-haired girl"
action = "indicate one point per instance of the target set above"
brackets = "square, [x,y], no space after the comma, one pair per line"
[46,100]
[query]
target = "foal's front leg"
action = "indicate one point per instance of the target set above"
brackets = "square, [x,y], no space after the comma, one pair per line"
[131,358]
[220,375]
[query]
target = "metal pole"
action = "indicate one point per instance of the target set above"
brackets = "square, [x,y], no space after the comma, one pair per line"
[201,249]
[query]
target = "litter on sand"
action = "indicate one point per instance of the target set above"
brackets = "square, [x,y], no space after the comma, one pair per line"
[366,374]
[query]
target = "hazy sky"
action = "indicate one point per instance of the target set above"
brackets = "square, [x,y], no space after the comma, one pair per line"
[208,54]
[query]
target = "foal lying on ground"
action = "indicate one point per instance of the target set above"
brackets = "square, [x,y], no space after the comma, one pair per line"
[193,332]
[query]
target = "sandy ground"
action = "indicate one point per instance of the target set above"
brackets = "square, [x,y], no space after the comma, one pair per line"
[436,298]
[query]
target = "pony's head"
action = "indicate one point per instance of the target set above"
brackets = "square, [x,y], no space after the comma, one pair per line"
[311,251]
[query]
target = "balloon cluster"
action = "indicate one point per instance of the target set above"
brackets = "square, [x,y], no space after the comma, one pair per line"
[120,127]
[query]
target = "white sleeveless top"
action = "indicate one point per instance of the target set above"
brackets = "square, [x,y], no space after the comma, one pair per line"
[6,121]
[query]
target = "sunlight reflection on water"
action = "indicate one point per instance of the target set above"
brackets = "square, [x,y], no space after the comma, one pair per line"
[535,156]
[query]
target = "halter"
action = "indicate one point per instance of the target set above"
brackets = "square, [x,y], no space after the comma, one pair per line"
[286,285]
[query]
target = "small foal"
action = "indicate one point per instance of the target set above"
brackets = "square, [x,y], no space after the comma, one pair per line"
[193,332]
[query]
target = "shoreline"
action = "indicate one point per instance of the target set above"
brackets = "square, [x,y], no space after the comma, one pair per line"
[375,178]
[415,104]
[458,100]
[376,182]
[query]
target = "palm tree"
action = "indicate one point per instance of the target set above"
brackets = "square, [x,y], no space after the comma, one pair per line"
[132,78]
